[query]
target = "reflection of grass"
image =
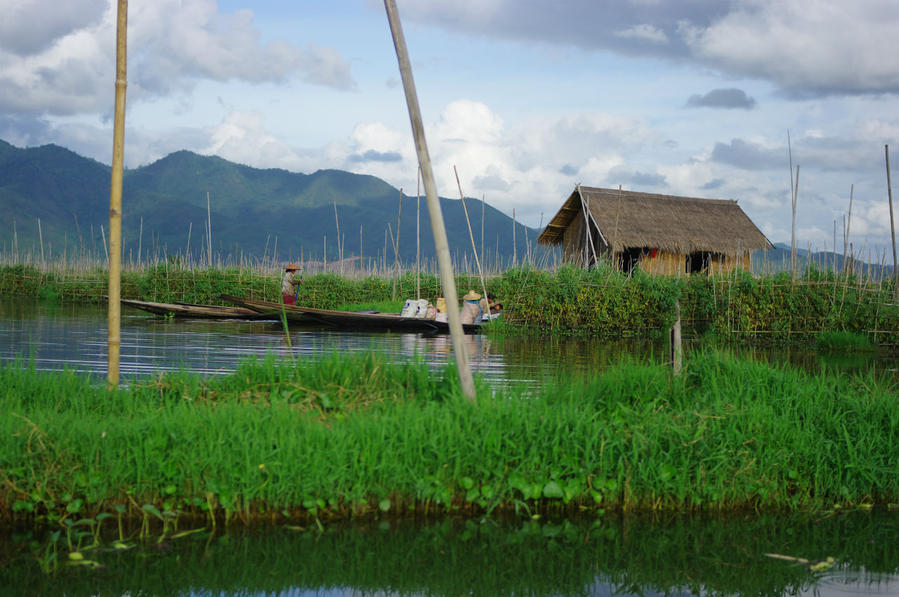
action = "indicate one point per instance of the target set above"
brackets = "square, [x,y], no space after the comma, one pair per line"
[635,555]
[843,341]
[355,435]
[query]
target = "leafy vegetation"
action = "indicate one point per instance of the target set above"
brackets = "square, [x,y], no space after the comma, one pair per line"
[356,436]
[600,303]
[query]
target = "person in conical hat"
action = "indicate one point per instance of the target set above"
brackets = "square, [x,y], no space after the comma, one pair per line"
[471,310]
[290,284]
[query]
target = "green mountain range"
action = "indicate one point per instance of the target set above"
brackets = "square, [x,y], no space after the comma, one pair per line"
[57,201]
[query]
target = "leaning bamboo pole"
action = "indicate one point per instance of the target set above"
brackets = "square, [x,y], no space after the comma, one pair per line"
[886,149]
[114,339]
[441,244]
[474,249]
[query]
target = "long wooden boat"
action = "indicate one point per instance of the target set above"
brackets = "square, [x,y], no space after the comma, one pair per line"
[195,311]
[354,320]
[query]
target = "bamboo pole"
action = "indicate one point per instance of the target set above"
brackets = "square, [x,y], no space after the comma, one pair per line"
[114,339]
[418,236]
[886,149]
[474,249]
[441,244]
[208,233]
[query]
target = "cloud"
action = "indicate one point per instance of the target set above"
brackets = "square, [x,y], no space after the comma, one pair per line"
[67,66]
[722,98]
[805,47]
[643,32]
[747,155]
[638,180]
[375,156]
[30,26]
[711,185]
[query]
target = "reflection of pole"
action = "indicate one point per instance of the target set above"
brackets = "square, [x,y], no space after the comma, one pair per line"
[441,244]
[114,340]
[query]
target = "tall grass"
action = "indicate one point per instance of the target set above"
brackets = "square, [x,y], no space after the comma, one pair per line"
[356,435]
[599,303]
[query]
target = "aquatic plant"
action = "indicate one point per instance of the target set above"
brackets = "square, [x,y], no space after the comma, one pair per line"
[357,435]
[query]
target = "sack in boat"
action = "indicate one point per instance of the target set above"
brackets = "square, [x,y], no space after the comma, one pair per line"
[409,308]
[421,308]
[441,304]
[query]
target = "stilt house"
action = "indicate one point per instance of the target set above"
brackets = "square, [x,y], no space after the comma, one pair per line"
[660,234]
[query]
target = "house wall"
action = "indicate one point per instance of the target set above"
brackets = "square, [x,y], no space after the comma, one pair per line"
[674,264]
[574,243]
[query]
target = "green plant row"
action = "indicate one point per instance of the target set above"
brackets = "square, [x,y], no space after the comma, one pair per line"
[600,302]
[357,435]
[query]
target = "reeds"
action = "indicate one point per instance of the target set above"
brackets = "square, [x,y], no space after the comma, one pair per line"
[355,436]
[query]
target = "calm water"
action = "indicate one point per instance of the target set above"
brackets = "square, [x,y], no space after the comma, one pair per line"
[612,556]
[57,337]
[609,556]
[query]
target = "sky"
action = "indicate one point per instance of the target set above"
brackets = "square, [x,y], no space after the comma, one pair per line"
[525,99]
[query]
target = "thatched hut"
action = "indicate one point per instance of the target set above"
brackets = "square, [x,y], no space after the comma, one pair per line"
[660,234]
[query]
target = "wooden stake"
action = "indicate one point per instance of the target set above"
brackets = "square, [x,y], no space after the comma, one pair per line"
[474,249]
[208,233]
[114,339]
[441,244]
[677,351]
[418,236]
[886,149]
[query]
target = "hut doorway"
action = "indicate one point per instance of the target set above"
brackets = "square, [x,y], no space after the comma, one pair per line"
[698,262]
[628,259]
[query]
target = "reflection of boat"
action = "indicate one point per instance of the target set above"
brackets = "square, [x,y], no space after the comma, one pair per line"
[354,320]
[196,311]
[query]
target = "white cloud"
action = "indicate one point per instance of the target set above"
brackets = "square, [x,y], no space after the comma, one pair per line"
[171,45]
[643,32]
[805,46]
[31,26]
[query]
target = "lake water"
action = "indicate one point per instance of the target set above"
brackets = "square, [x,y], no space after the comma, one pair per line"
[635,555]
[610,556]
[68,336]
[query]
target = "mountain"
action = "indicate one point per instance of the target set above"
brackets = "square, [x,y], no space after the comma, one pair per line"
[778,259]
[55,200]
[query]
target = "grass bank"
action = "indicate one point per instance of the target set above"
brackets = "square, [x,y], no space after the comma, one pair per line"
[355,436]
[599,303]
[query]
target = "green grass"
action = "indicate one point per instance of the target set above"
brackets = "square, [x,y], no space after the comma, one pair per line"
[356,435]
[843,341]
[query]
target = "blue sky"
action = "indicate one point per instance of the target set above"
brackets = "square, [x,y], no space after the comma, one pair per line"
[527,99]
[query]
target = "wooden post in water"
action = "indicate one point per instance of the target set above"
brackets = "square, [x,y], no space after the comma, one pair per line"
[114,340]
[441,244]
[677,351]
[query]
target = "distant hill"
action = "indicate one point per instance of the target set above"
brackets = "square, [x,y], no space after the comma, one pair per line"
[252,210]
[778,259]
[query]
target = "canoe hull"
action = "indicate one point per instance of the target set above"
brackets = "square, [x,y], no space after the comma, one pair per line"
[351,320]
[188,310]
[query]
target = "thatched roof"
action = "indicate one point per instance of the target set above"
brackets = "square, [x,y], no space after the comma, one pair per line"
[670,223]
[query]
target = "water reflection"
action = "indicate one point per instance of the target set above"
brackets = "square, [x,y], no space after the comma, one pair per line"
[612,556]
[59,336]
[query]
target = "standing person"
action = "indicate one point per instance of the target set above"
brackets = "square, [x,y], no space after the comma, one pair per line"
[290,284]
